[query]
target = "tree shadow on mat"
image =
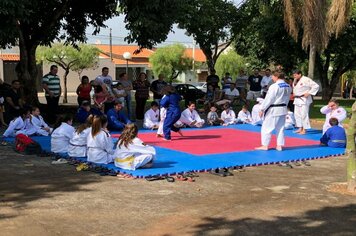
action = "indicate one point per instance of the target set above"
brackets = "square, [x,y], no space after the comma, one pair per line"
[326,221]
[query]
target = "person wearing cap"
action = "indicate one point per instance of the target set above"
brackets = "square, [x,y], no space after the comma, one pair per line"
[256,119]
[116,118]
[303,89]
[274,110]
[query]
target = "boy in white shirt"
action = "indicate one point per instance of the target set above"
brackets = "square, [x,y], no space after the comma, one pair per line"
[256,119]
[228,116]
[151,119]
[190,117]
[244,116]
[290,120]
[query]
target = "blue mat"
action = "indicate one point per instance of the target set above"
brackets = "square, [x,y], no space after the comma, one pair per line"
[170,162]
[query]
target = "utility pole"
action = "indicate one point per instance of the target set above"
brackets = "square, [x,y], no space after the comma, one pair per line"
[110,37]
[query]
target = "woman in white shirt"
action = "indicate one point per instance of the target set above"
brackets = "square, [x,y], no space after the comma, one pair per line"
[190,117]
[78,143]
[100,144]
[61,134]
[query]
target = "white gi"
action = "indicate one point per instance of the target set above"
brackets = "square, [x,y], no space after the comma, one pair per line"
[78,143]
[244,117]
[266,81]
[256,119]
[60,138]
[16,126]
[275,108]
[35,126]
[151,119]
[135,155]
[162,112]
[229,117]
[100,148]
[290,121]
[301,108]
[340,114]
[187,117]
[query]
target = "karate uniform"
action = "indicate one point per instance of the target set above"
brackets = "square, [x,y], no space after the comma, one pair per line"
[78,143]
[228,117]
[290,121]
[244,117]
[301,104]
[335,136]
[35,125]
[275,109]
[340,114]
[187,117]
[255,116]
[171,103]
[60,138]
[135,155]
[117,120]
[100,148]
[163,113]
[151,119]
[15,127]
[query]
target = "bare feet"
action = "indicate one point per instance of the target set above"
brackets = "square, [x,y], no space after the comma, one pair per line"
[159,135]
[168,140]
[262,148]
[298,131]
[279,148]
[302,132]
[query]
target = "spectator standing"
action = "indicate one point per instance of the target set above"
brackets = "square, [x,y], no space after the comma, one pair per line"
[127,85]
[52,86]
[241,83]
[255,85]
[83,90]
[13,101]
[156,88]
[213,79]
[104,78]
[266,82]
[142,87]
[3,91]
[226,81]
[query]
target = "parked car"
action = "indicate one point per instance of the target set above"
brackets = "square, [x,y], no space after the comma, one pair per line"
[189,92]
[202,86]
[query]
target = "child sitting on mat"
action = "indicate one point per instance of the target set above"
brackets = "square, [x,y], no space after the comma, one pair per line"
[190,117]
[62,133]
[213,118]
[290,120]
[35,124]
[256,119]
[100,144]
[151,120]
[335,136]
[244,116]
[228,115]
[131,152]
[17,125]
[78,143]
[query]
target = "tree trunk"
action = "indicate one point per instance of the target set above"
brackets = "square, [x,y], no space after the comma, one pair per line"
[65,97]
[27,71]
[351,164]
[311,65]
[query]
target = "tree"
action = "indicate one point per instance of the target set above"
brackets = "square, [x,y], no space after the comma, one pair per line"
[229,62]
[318,21]
[69,58]
[31,23]
[210,22]
[170,61]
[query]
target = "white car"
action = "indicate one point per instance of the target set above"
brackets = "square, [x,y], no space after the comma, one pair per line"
[202,86]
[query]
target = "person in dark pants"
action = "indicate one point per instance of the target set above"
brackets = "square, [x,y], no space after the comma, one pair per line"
[13,101]
[142,87]
[52,86]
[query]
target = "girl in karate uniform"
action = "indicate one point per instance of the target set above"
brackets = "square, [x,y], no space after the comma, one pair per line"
[131,152]
[17,125]
[78,143]
[35,124]
[190,117]
[244,116]
[62,133]
[228,115]
[151,120]
[100,144]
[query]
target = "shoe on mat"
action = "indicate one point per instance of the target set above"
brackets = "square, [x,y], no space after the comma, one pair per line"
[59,161]
[297,163]
[306,163]
[217,172]
[285,164]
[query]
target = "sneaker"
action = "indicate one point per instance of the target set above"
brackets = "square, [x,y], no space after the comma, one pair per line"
[59,161]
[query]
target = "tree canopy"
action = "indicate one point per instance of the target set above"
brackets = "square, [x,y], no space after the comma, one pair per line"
[230,62]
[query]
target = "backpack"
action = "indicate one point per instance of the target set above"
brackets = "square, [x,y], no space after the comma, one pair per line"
[26,145]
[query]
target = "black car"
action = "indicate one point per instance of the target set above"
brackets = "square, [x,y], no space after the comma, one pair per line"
[189,92]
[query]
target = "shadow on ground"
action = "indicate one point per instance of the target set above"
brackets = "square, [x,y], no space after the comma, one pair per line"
[326,221]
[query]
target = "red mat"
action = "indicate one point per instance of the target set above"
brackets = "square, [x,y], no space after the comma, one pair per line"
[201,142]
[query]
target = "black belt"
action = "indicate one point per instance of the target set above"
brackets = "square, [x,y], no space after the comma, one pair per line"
[275,105]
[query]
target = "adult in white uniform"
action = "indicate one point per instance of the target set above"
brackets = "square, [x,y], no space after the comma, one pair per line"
[151,118]
[190,117]
[290,120]
[35,124]
[78,143]
[255,114]
[303,88]
[333,110]
[244,116]
[228,115]
[17,125]
[100,144]
[62,134]
[131,152]
[274,108]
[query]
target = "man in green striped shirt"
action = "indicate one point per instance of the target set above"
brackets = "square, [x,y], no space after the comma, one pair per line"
[52,86]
